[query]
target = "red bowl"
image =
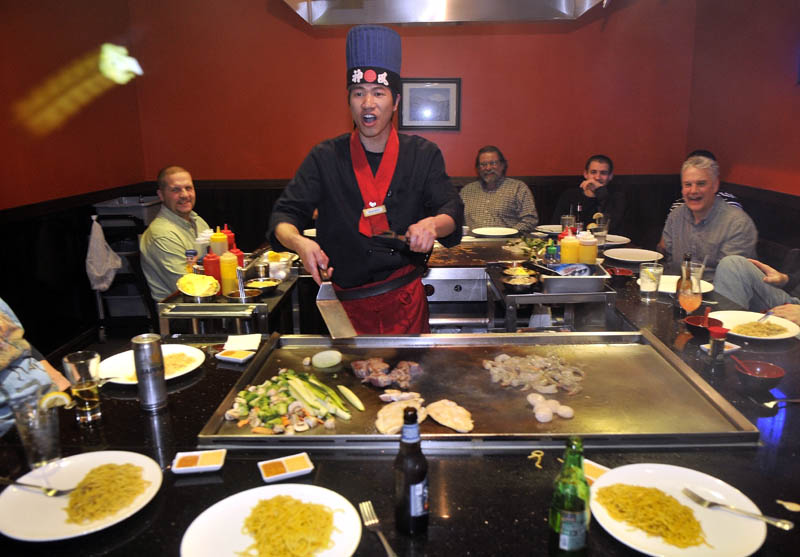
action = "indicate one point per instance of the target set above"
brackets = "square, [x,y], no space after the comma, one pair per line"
[619,276]
[763,377]
[698,327]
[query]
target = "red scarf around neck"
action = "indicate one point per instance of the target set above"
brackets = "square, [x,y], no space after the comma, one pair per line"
[374,187]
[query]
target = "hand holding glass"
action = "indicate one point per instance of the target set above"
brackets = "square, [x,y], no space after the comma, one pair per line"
[83,371]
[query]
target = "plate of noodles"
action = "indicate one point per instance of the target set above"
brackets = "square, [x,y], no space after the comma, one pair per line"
[179,359]
[248,519]
[743,324]
[650,497]
[128,482]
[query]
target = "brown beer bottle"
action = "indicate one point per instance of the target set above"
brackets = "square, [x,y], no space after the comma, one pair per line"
[410,479]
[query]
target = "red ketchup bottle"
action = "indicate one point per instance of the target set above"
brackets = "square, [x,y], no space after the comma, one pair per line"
[239,255]
[231,237]
[211,266]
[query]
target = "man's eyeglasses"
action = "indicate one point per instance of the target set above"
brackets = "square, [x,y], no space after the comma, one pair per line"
[488,164]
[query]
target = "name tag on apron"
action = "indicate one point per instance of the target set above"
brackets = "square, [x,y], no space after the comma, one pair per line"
[372,211]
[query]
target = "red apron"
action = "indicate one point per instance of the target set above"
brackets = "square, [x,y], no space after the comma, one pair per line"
[403,310]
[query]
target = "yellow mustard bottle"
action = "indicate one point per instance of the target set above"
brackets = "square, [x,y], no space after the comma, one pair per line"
[227,271]
[587,248]
[569,249]
[218,243]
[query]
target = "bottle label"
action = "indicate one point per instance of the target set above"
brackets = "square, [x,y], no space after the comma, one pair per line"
[418,498]
[573,531]
[410,433]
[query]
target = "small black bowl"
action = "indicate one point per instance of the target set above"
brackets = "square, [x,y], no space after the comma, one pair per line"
[250,295]
[519,285]
[764,375]
[698,327]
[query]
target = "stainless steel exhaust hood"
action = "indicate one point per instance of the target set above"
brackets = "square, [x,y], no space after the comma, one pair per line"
[349,12]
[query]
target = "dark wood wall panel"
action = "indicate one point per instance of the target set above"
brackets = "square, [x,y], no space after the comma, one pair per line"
[45,281]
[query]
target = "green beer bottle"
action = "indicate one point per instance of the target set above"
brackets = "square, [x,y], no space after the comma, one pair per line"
[569,511]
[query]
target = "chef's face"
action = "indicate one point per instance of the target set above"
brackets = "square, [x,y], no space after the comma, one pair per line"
[490,168]
[598,172]
[699,187]
[372,108]
[178,195]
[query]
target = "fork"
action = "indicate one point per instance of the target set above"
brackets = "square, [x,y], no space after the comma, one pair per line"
[772,403]
[779,522]
[49,491]
[372,523]
[763,317]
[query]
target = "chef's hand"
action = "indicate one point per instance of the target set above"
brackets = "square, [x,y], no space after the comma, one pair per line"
[314,259]
[310,253]
[771,276]
[588,187]
[788,311]
[421,235]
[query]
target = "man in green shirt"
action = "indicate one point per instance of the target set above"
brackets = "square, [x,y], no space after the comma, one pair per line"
[172,232]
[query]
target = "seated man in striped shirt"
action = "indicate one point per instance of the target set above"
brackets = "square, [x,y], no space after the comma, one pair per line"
[728,198]
[495,199]
[705,226]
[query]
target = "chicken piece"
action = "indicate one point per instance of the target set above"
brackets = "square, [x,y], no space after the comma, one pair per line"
[390,417]
[451,415]
[391,395]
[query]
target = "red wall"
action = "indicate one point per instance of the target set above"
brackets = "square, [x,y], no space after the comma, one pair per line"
[243,89]
[100,147]
[745,93]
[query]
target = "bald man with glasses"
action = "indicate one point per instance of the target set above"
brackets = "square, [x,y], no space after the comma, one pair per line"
[495,199]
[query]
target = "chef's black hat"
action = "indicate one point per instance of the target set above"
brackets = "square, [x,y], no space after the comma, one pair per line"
[373,56]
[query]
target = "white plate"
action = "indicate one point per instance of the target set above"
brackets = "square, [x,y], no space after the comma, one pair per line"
[729,535]
[550,228]
[218,529]
[494,231]
[616,240]
[32,516]
[633,255]
[123,368]
[310,232]
[669,283]
[732,318]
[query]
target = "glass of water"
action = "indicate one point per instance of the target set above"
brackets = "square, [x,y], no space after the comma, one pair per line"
[649,277]
[37,427]
[600,231]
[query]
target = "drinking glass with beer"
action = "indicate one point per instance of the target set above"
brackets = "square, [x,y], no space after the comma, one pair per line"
[83,371]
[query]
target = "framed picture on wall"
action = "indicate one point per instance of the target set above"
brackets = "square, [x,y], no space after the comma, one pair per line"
[430,104]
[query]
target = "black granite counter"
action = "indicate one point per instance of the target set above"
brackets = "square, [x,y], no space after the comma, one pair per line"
[482,504]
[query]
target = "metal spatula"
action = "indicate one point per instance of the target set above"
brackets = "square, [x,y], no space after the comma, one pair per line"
[332,311]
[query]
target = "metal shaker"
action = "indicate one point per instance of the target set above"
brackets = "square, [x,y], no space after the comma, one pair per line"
[149,363]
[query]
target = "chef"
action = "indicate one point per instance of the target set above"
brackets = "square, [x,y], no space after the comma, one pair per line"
[367,185]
